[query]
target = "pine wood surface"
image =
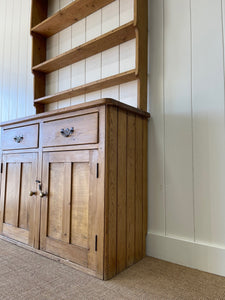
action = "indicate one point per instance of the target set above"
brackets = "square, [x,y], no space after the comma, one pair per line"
[65,16]
[89,87]
[29,135]
[94,210]
[108,40]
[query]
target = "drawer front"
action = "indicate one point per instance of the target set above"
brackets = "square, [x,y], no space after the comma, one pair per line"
[20,137]
[71,131]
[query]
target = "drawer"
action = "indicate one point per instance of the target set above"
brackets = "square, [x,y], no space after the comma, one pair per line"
[20,137]
[71,131]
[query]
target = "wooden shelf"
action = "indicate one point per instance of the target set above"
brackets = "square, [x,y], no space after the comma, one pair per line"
[106,41]
[89,87]
[68,15]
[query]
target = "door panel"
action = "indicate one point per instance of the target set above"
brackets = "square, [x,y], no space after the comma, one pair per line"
[66,229]
[80,204]
[17,207]
[55,200]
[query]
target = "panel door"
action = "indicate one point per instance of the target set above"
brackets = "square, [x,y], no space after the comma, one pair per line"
[17,206]
[69,211]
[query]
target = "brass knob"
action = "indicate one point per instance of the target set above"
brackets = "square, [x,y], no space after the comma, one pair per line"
[43,194]
[31,193]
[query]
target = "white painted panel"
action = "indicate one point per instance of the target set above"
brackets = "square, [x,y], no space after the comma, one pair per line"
[127,56]
[63,3]
[110,62]
[208,258]
[178,120]
[156,205]
[2,46]
[110,16]
[78,33]
[51,106]
[23,57]
[78,73]
[52,83]
[128,93]
[64,103]
[77,100]
[30,110]
[93,68]
[93,25]
[53,7]
[65,40]
[64,78]
[15,39]
[208,107]
[93,96]
[7,63]
[52,46]
[112,92]
[126,11]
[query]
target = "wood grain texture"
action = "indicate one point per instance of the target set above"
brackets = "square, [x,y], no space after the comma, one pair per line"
[85,131]
[138,243]
[65,16]
[24,211]
[29,136]
[67,197]
[93,213]
[131,188]
[145,183]
[80,204]
[111,194]
[38,11]
[141,21]
[67,251]
[20,171]
[12,195]
[89,87]
[108,40]
[122,192]
[55,200]
[18,234]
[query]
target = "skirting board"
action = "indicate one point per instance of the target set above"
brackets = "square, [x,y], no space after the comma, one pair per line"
[194,255]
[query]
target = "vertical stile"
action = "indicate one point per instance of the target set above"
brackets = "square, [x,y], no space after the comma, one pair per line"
[131,145]
[145,181]
[141,22]
[20,170]
[122,190]
[67,202]
[111,203]
[139,191]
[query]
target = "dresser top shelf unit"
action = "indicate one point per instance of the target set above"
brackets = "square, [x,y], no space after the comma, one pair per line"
[106,41]
[72,13]
[43,27]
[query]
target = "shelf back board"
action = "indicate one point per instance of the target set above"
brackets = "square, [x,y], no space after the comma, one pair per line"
[69,15]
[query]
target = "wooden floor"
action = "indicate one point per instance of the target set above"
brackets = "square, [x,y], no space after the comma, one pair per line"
[27,275]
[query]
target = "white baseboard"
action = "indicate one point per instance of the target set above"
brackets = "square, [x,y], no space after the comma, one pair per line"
[198,256]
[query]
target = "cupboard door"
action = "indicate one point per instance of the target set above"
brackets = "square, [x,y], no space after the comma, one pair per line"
[67,212]
[17,206]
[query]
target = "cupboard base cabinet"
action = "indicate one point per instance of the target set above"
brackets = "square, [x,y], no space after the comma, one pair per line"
[74,184]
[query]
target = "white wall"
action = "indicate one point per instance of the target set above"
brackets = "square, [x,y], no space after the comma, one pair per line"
[186,132]
[16,80]
[186,148]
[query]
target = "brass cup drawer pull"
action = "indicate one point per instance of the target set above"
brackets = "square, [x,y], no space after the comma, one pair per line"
[67,132]
[18,139]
